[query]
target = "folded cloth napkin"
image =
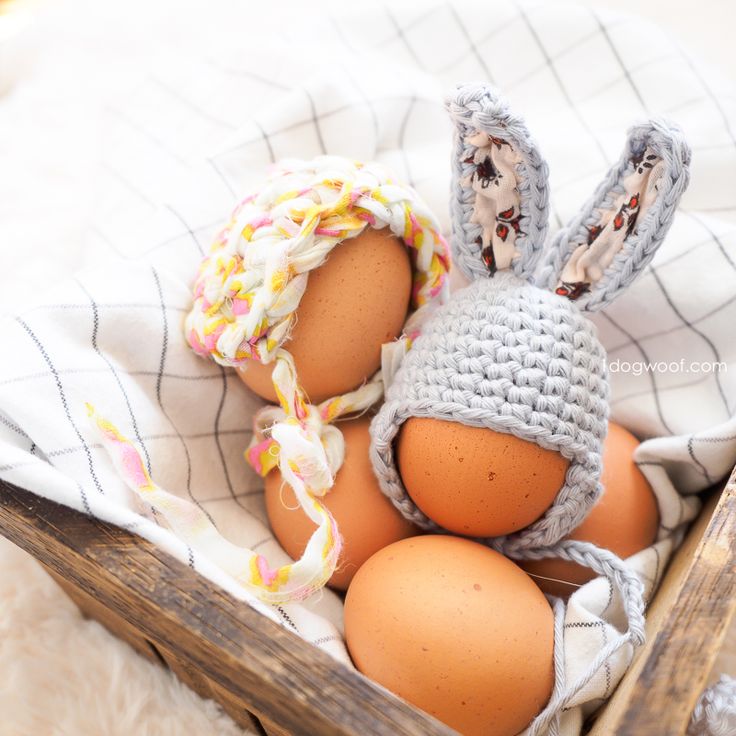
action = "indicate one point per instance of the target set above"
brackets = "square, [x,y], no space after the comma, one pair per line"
[203,129]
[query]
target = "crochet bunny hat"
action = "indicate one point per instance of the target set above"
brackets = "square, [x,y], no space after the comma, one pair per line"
[514,351]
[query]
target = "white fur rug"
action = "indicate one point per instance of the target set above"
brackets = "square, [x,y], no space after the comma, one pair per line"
[63,675]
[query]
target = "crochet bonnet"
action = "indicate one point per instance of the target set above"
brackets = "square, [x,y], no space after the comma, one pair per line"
[514,351]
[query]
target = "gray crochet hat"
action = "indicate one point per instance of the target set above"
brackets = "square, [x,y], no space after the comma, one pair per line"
[514,351]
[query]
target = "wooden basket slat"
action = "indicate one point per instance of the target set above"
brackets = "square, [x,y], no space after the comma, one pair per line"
[284,680]
[686,625]
[266,677]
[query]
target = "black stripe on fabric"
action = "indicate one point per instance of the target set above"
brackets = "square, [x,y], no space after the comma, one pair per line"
[402,135]
[560,84]
[129,185]
[473,48]
[484,39]
[62,397]
[266,140]
[325,640]
[195,239]
[308,121]
[159,381]
[712,95]
[222,176]
[218,444]
[88,371]
[670,330]
[161,144]
[246,74]
[111,366]
[14,427]
[627,73]
[402,36]
[367,100]
[697,332]
[700,465]
[315,122]
[158,436]
[113,370]
[285,616]
[607,663]
[584,624]
[662,389]
[638,346]
[715,439]
[205,114]
[715,238]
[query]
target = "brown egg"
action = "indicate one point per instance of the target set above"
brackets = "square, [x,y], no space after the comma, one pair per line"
[474,481]
[367,520]
[354,302]
[625,519]
[455,629]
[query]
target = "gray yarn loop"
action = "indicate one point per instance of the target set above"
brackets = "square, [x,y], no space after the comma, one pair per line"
[631,590]
[715,711]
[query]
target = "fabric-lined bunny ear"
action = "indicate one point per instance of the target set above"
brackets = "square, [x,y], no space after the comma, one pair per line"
[602,250]
[500,195]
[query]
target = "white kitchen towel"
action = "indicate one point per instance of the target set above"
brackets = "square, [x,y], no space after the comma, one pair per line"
[257,85]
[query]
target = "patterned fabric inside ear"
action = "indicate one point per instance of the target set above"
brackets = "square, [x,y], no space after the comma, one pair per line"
[499,200]
[496,208]
[598,240]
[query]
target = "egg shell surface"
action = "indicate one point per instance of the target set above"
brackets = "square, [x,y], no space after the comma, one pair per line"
[625,519]
[456,629]
[475,481]
[365,518]
[354,302]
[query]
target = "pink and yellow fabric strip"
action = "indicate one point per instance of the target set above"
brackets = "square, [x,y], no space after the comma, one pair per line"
[292,582]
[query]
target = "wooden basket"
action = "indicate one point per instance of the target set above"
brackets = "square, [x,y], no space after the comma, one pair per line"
[267,678]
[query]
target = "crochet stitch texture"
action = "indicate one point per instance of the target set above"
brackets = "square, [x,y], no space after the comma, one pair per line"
[516,359]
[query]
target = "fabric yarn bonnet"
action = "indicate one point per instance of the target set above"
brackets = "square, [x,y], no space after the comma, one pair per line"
[245,298]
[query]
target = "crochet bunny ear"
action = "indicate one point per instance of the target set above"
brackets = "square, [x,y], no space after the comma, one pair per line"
[499,198]
[604,248]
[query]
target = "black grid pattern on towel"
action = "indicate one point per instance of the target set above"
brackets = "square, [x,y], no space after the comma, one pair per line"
[194,235]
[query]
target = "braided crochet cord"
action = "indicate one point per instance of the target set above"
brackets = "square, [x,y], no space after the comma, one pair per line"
[631,590]
[245,301]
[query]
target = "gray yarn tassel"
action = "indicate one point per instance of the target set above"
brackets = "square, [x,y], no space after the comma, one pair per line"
[631,591]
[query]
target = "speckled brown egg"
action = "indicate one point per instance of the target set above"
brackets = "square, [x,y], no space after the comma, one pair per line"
[625,519]
[366,519]
[456,629]
[474,481]
[354,302]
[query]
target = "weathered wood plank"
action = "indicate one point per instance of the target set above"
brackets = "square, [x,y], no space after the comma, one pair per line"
[686,625]
[283,680]
[223,649]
